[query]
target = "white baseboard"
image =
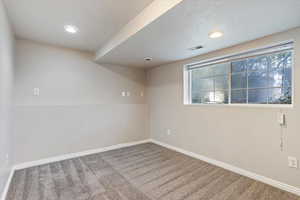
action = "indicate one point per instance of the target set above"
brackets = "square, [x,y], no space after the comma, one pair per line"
[76,155]
[6,187]
[266,180]
[229,167]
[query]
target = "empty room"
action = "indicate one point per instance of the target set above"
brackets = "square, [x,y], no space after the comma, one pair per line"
[149,100]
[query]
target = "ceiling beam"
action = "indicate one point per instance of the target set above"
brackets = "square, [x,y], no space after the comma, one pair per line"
[152,12]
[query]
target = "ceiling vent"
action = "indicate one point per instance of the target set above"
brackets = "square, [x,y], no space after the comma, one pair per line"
[196,48]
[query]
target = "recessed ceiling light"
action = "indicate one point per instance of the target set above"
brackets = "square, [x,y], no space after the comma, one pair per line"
[71,29]
[147,59]
[215,34]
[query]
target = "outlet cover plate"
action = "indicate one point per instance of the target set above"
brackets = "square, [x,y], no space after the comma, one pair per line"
[292,162]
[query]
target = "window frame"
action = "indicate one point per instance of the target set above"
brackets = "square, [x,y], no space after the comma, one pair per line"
[255,52]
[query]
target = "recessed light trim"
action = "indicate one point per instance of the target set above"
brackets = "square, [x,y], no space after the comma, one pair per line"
[148,59]
[71,29]
[215,34]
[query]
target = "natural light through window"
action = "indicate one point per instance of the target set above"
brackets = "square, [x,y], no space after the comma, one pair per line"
[262,76]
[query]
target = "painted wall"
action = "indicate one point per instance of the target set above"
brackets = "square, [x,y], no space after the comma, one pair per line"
[246,137]
[6,86]
[80,106]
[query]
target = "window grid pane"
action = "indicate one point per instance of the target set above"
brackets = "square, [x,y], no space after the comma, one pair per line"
[257,80]
[210,87]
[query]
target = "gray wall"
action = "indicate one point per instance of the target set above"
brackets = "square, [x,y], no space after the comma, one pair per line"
[80,106]
[6,81]
[246,137]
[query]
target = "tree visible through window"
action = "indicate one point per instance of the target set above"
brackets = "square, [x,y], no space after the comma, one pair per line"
[264,79]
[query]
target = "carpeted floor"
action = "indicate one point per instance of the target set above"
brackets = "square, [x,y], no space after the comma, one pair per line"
[141,172]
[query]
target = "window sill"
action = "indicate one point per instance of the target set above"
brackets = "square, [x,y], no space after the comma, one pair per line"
[243,105]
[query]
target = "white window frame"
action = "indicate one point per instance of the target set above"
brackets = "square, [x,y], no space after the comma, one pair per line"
[237,56]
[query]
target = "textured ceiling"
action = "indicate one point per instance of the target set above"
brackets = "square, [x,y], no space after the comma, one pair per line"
[98,20]
[166,38]
[169,37]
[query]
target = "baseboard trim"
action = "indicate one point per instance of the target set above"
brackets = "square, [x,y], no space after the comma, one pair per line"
[76,155]
[224,165]
[6,187]
[252,175]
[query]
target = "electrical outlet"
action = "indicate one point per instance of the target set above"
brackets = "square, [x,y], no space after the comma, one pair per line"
[6,159]
[36,91]
[281,119]
[292,162]
[128,94]
[123,94]
[169,132]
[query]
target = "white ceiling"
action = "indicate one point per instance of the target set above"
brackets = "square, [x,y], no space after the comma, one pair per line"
[177,26]
[98,20]
[187,25]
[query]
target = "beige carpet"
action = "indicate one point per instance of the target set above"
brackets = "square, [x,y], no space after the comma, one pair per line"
[142,172]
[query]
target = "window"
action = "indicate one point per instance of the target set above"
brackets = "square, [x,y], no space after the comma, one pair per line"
[262,76]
